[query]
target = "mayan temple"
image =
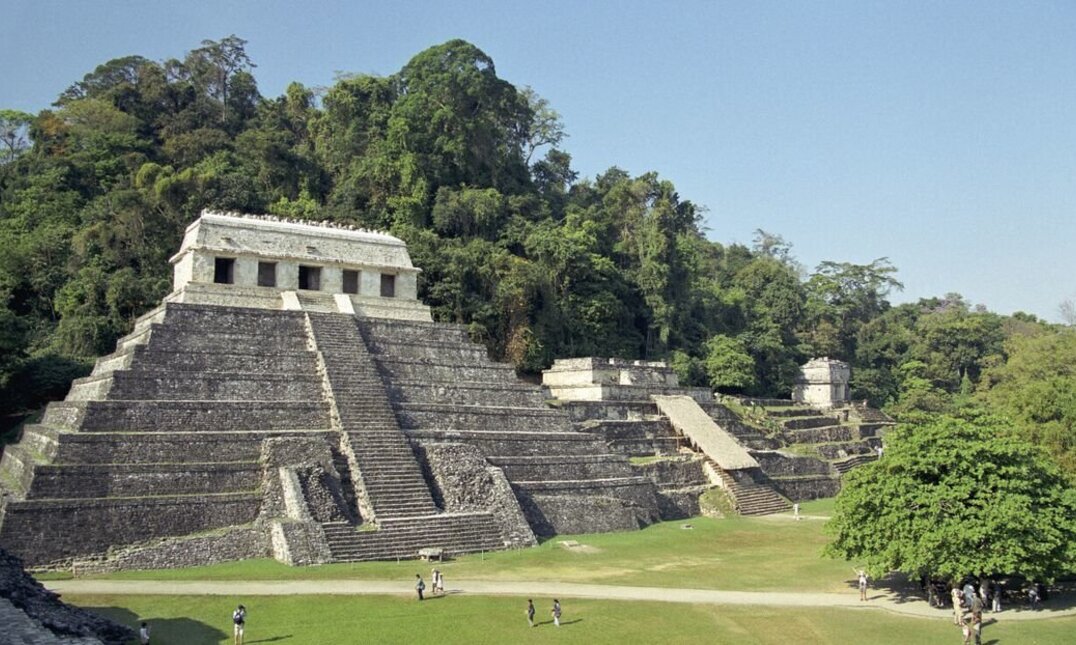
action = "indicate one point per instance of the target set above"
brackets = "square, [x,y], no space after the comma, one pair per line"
[292,398]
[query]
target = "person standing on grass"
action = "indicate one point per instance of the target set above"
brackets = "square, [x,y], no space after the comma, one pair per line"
[996,599]
[862,583]
[957,614]
[556,612]
[530,612]
[420,586]
[143,634]
[239,622]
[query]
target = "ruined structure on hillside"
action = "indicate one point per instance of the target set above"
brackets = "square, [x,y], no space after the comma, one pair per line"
[823,383]
[289,392]
[763,453]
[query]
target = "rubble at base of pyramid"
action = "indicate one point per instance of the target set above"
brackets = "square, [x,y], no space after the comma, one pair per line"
[292,398]
[30,613]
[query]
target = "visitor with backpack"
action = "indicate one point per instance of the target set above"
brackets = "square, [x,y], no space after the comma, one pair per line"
[420,586]
[239,622]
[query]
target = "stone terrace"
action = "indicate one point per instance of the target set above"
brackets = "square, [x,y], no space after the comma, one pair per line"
[445,390]
[164,437]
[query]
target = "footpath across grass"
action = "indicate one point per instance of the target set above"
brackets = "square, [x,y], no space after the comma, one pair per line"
[773,553]
[303,620]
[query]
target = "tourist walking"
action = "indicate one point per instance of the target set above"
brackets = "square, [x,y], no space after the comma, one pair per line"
[984,592]
[530,612]
[438,582]
[420,586]
[995,605]
[556,612]
[143,634]
[239,622]
[957,614]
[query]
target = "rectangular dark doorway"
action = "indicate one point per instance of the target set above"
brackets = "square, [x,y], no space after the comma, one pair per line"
[224,270]
[388,286]
[267,274]
[351,281]
[309,278]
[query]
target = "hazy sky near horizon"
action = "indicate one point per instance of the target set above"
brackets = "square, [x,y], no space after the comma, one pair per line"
[939,135]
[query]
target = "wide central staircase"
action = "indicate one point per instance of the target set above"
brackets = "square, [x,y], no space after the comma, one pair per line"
[391,491]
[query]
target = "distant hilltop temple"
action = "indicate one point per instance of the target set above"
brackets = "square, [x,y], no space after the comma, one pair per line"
[292,398]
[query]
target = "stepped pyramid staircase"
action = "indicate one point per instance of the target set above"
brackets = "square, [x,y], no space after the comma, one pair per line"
[389,484]
[444,389]
[739,472]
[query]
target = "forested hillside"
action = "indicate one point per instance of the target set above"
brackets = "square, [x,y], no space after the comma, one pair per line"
[473,173]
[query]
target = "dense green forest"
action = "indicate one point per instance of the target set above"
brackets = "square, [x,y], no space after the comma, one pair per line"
[472,172]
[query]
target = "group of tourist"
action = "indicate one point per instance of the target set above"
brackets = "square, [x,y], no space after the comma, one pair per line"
[438,584]
[968,607]
[439,588]
[555,612]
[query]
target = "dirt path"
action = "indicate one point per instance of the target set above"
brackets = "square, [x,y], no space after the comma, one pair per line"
[911,606]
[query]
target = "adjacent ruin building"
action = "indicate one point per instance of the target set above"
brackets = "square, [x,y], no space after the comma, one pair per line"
[823,383]
[763,453]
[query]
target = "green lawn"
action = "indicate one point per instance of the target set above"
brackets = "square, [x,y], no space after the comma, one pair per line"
[736,553]
[301,620]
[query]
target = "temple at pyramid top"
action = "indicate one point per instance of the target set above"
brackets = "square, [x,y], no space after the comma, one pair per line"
[267,262]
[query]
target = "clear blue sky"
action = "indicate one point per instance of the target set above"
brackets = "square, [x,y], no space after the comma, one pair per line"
[939,134]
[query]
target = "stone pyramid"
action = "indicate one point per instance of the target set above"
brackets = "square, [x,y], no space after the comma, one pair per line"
[292,398]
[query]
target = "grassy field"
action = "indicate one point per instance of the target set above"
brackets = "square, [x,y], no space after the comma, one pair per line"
[756,554]
[301,620]
[738,553]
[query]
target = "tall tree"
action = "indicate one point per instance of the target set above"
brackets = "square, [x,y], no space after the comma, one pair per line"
[953,498]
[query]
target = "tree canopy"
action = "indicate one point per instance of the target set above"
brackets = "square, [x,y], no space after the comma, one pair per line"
[955,497]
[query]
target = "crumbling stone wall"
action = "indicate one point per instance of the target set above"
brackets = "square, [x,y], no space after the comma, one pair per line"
[44,607]
[462,480]
[226,545]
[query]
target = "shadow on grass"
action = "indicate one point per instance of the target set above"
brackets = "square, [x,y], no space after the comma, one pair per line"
[895,587]
[269,640]
[169,631]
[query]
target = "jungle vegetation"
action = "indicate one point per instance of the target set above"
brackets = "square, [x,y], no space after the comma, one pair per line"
[474,174]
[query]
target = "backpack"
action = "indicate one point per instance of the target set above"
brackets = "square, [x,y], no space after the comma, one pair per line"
[237,617]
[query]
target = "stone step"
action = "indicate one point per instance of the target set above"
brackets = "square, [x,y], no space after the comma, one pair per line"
[162,447]
[823,434]
[444,371]
[806,423]
[54,481]
[141,357]
[167,416]
[159,385]
[405,537]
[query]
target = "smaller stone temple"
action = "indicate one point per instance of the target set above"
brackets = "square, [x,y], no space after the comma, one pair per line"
[823,383]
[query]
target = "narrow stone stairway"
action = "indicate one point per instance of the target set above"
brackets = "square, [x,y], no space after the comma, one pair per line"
[387,469]
[751,497]
[455,533]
